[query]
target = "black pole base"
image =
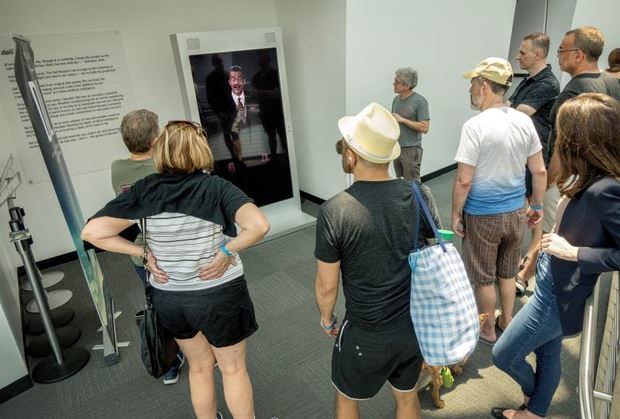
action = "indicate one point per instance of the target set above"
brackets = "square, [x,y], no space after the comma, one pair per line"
[48,371]
[60,317]
[39,347]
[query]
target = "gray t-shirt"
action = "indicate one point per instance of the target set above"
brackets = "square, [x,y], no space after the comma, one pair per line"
[125,173]
[370,229]
[414,108]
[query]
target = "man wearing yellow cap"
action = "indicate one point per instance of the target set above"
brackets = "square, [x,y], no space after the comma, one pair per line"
[366,233]
[488,204]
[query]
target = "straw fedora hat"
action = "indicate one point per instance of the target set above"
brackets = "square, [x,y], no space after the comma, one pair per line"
[372,134]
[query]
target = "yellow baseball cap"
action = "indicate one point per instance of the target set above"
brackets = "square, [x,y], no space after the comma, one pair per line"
[495,69]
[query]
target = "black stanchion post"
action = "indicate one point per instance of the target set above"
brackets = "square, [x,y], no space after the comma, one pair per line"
[62,364]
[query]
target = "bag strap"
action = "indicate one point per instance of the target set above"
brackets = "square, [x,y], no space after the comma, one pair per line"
[427,214]
[145,258]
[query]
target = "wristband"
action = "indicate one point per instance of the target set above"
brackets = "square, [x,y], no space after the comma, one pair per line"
[224,250]
[330,326]
[537,207]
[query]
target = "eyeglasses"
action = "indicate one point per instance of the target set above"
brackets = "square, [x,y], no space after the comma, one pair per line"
[559,51]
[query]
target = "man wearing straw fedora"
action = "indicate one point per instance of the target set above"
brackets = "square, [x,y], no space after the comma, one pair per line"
[366,233]
[488,201]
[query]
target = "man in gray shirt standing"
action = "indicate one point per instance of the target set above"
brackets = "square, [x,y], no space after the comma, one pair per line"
[411,112]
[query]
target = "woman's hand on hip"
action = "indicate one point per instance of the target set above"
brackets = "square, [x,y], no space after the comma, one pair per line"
[160,276]
[559,247]
[216,268]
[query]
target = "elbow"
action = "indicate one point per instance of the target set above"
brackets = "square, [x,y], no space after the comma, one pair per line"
[464,183]
[541,172]
[264,228]
[260,228]
[87,234]
[325,291]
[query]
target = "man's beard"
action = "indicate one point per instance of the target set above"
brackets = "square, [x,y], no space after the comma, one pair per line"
[346,167]
[472,104]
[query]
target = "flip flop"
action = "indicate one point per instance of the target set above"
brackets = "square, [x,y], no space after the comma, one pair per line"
[498,329]
[498,412]
[486,341]
[521,285]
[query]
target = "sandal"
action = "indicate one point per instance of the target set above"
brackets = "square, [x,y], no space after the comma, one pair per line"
[498,412]
[521,285]
[498,329]
[486,341]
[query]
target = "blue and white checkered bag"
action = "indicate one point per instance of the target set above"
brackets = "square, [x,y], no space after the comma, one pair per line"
[443,308]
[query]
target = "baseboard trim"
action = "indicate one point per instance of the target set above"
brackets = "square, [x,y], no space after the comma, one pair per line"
[425,178]
[439,172]
[15,388]
[311,198]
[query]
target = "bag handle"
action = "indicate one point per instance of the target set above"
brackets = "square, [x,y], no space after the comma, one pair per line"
[145,259]
[427,214]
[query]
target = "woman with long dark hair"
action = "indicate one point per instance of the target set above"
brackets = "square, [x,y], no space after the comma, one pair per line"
[584,243]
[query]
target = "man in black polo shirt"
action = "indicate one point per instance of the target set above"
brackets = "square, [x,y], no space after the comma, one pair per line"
[366,233]
[578,55]
[534,96]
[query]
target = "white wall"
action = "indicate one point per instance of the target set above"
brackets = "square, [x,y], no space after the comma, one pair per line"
[442,39]
[12,366]
[529,17]
[602,14]
[313,35]
[145,28]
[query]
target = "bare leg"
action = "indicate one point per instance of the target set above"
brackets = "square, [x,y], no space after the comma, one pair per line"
[237,385]
[346,408]
[407,404]
[486,299]
[506,300]
[201,379]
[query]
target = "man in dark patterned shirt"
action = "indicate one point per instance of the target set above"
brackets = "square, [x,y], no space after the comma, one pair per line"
[534,96]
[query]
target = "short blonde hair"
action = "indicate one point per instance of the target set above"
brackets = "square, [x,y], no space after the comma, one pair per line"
[182,147]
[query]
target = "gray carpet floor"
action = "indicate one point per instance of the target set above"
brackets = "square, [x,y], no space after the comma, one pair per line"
[289,356]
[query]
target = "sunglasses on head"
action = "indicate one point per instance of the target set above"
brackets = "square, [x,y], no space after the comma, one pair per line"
[185,124]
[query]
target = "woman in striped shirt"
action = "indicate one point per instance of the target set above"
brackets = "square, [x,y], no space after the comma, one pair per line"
[198,288]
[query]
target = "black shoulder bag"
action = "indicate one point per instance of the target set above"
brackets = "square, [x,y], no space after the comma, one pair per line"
[158,349]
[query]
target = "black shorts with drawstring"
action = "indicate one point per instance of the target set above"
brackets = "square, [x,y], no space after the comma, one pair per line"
[363,360]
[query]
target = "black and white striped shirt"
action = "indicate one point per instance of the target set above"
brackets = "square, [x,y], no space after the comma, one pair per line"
[187,217]
[182,244]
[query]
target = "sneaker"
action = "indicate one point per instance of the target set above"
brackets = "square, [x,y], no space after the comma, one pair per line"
[172,375]
[218,415]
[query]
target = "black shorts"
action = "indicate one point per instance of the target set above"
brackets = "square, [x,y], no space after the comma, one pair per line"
[363,360]
[224,314]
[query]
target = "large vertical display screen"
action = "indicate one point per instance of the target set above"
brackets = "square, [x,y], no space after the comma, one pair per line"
[239,102]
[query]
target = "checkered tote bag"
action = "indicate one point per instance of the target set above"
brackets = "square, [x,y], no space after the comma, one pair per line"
[443,308]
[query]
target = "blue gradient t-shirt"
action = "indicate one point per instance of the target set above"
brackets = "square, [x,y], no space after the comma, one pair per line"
[497,142]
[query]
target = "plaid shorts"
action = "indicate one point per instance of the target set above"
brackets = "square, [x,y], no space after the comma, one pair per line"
[491,245]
